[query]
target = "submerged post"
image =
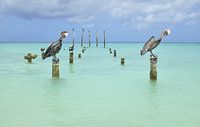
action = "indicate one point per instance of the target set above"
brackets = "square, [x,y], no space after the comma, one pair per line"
[55,67]
[153,68]
[30,56]
[89,36]
[82,37]
[122,61]
[110,50]
[83,50]
[71,50]
[71,58]
[115,53]
[79,55]
[104,42]
[96,39]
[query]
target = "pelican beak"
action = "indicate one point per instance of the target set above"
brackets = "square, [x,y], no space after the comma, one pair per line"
[165,32]
[64,34]
[168,31]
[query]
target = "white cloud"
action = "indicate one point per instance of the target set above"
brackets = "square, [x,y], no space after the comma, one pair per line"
[72,10]
[146,13]
[80,19]
[88,26]
[138,13]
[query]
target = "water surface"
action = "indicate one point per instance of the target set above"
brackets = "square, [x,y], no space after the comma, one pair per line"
[96,91]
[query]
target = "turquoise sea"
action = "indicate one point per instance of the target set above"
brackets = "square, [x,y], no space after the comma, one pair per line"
[96,91]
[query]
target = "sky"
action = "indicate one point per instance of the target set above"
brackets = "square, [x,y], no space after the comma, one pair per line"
[123,20]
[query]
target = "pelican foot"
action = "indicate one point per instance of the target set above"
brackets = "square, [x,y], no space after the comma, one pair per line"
[153,56]
[55,60]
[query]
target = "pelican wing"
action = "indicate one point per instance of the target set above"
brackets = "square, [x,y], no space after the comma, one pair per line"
[147,45]
[56,47]
[48,50]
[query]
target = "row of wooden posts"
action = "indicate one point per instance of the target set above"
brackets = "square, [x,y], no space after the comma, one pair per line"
[55,65]
[82,38]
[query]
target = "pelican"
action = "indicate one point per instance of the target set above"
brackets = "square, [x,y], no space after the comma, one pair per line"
[55,47]
[152,43]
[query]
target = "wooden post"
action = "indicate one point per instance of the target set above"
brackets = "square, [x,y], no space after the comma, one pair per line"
[89,36]
[55,67]
[96,39]
[110,50]
[71,58]
[115,53]
[73,36]
[30,56]
[82,37]
[153,68]
[104,44]
[79,55]
[84,49]
[122,61]
[71,49]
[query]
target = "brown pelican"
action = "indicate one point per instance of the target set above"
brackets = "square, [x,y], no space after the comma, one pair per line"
[55,47]
[153,43]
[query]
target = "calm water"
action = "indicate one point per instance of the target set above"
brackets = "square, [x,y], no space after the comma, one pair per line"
[96,91]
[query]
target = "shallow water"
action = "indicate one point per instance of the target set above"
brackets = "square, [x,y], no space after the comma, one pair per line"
[96,91]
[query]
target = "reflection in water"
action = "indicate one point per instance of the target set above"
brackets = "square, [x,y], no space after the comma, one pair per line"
[153,98]
[71,68]
[54,102]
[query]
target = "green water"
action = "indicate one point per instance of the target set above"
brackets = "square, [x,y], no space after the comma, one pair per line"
[96,91]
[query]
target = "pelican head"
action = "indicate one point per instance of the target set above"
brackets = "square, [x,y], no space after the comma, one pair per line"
[64,34]
[165,32]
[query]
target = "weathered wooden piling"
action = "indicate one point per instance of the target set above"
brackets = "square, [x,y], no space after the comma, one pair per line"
[122,61]
[55,67]
[104,42]
[71,57]
[79,55]
[89,37]
[30,56]
[73,36]
[96,39]
[115,53]
[82,37]
[153,68]
[71,49]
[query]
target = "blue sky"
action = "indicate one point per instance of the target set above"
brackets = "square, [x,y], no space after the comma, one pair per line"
[123,20]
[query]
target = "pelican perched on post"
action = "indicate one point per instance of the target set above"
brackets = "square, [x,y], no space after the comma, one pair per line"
[55,47]
[153,43]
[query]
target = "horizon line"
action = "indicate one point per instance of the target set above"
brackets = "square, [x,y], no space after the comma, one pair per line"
[103,42]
